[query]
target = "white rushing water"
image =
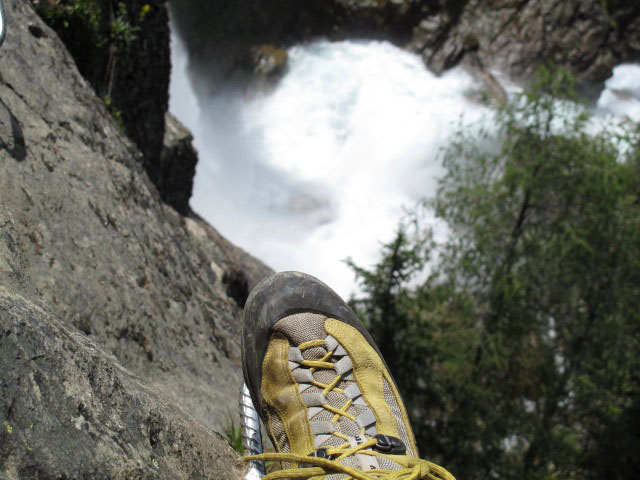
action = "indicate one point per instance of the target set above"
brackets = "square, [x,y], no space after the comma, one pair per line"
[621,95]
[322,167]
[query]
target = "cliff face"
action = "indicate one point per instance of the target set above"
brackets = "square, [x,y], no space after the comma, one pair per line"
[107,295]
[589,37]
[122,50]
[70,410]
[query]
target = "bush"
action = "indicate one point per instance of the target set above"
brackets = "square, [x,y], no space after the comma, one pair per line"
[96,32]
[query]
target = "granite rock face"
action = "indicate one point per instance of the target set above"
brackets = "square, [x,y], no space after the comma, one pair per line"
[589,37]
[120,282]
[69,410]
[128,67]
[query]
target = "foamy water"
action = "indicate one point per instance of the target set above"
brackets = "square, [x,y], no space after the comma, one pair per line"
[621,96]
[322,167]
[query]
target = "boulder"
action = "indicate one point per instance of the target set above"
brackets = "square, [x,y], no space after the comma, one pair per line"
[268,61]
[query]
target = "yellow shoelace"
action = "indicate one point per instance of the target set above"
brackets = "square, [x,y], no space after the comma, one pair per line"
[324,362]
[414,469]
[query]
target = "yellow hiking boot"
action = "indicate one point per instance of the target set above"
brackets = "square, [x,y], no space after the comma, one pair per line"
[322,388]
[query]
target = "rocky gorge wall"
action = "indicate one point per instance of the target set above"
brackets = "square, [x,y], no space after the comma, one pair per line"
[122,50]
[589,37]
[119,317]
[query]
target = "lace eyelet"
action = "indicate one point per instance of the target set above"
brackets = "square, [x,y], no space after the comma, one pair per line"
[389,444]
[319,453]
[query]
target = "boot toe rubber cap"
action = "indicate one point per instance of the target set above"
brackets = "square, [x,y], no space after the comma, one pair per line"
[276,297]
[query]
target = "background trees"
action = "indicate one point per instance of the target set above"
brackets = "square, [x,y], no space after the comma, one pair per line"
[519,355]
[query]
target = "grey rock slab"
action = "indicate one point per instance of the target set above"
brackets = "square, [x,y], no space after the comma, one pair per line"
[69,410]
[106,255]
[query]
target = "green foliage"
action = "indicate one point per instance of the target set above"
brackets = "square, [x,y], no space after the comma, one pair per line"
[82,22]
[520,350]
[385,286]
[123,33]
[234,435]
[75,21]
[97,33]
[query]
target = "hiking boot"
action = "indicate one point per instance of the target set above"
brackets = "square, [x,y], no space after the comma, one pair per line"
[322,388]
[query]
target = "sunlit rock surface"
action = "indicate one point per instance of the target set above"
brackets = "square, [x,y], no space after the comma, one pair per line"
[68,409]
[119,341]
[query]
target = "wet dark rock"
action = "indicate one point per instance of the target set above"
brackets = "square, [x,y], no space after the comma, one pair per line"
[237,286]
[516,37]
[177,166]
[268,62]
[589,37]
[108,295]
[221,36]
[141,80]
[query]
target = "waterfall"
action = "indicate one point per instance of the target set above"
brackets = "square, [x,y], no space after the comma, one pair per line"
[323,166]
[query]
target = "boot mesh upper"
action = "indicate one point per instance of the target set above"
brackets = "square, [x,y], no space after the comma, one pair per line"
[304,327]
